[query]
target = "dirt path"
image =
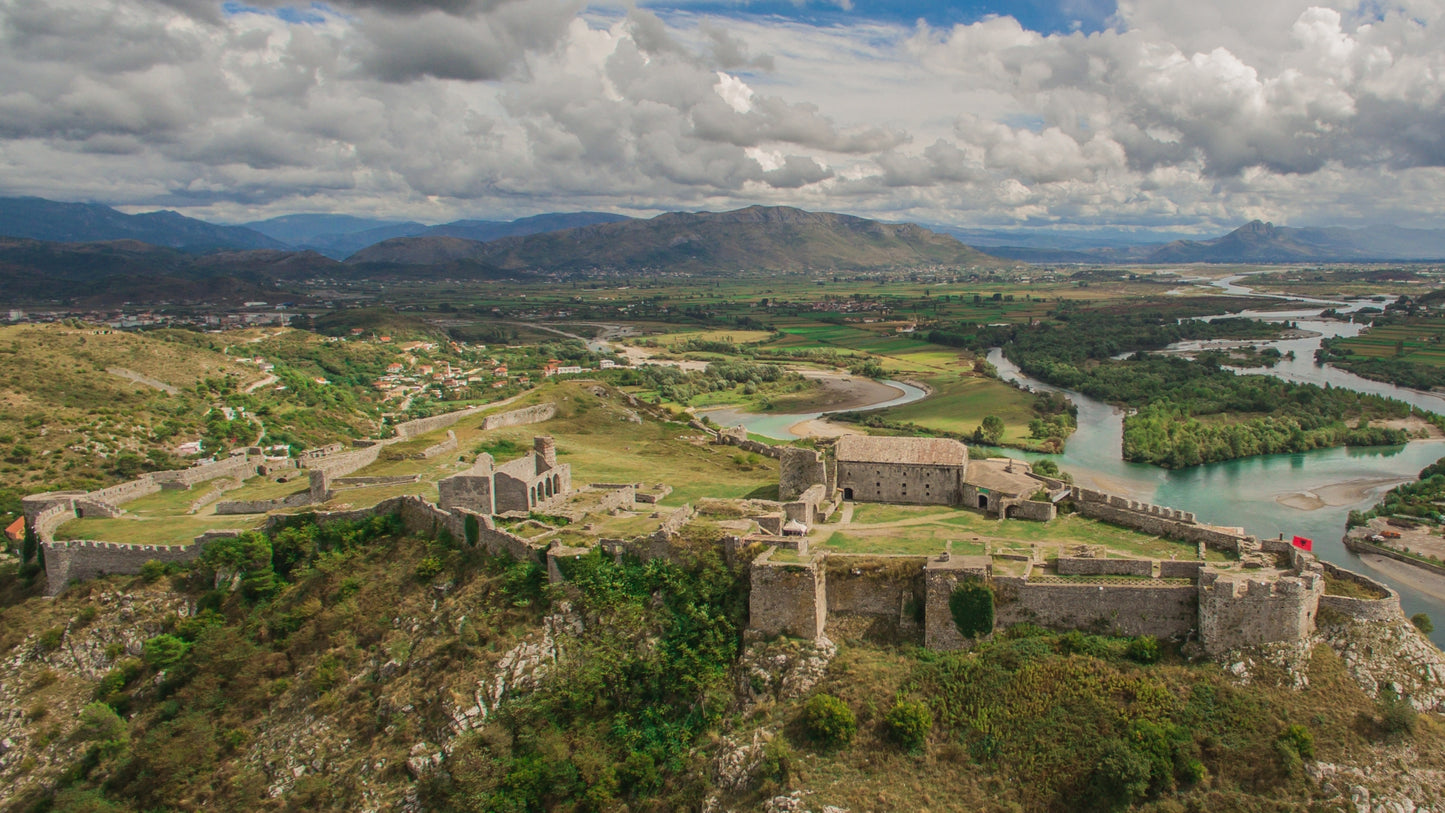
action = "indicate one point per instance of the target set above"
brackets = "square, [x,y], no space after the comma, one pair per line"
[265,382]
[144,380]
[1431,584]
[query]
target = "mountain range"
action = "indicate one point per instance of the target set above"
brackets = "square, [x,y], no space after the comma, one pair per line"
[1254,242]
[79,251]
[757,238]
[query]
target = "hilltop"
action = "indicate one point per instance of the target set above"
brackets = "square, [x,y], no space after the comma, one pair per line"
[53,221]
[758,238]
[391,659]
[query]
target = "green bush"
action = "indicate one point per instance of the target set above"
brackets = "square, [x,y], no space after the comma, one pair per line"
[972,607]
[165,651]
[152,570]
[428,568]
[1397,716]
[909,722]
[1301,739]
[51,639]
[829,721]
[1121,775]
[1422,623]
[1143,649]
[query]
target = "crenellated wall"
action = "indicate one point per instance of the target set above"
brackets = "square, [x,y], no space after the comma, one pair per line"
[1239,609]
[77,560]
[1156,520]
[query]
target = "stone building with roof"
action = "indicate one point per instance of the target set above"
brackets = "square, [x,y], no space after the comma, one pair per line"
[921,471]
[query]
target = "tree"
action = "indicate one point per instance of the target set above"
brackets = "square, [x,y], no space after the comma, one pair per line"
[992,429]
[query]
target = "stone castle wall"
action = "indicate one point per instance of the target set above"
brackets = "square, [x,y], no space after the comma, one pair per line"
[1155,520]
[738,436]
[798,471]
[873,585]
[1162,610]
[125,492]
[1361,609]
[941,577]
[238,467]
[1237,610]
[77,560]
[1033,510]
[521,417]
[1082,566]
[448,445]
[787,598]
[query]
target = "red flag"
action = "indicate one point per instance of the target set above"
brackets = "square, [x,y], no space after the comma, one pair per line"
[1304,544]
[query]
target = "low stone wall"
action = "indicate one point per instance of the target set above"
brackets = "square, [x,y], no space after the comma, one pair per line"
[1161,610]
[738,436]
[296,500]
[1173,569]
[655,495]
[394,480]
[1355,545]
[77,560]
[617,497]
[214,494]
[787,598]
[1083,566]
[448,445]
[521,417]
[1361,609]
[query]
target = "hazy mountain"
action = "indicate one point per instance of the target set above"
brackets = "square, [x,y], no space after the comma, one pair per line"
[336,236]
[40,219]
[758,238]
[485,230]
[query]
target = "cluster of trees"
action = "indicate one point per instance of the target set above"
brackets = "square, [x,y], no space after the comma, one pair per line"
[681,386]
[1189,412]
[1167,434]
[1397,371]
[1421,498]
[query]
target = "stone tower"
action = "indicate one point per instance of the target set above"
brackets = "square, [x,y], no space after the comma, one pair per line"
[546,450]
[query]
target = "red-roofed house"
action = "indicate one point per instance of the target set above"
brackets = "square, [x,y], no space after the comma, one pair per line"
[16,531]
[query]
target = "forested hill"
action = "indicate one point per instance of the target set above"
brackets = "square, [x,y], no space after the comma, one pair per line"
[757,238]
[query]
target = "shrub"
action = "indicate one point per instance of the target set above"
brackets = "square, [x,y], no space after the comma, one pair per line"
[1397,716]
[972,607]
[100,723]
[165,651]
[1300,739]
[1121,775]
[1143,649]
[829,720]
[428,568]
[1422,623]
[909,722]
[50,639]
[86,615]
[152,570]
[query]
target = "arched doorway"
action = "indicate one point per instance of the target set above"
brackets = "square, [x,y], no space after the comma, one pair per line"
[983,501]
[847,493]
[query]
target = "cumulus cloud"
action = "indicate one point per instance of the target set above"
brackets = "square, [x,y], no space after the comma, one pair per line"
[1176,114]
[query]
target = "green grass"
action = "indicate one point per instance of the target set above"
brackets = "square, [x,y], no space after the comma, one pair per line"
[160,531]
[927,529]
[1419,341]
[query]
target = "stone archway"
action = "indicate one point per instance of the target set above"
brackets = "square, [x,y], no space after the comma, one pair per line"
[983,501]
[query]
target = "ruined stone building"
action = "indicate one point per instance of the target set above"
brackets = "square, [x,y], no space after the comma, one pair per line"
[527,484]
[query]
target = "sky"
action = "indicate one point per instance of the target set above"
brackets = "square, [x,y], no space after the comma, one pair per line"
[1072,114]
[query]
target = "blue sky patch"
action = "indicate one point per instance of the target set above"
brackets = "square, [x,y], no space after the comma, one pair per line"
[1044,16]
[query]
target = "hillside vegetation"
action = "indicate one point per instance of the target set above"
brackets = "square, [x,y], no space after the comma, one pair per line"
[353,666]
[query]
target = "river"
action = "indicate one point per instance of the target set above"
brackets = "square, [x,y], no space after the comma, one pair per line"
[777,425]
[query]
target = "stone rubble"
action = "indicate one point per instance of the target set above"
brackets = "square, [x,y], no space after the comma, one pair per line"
[782,669]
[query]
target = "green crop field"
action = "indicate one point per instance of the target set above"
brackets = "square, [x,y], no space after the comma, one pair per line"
[1419,341]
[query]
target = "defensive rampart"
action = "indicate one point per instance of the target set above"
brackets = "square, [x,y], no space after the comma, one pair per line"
[521,417]
[1153,519]
[1386,608]
[76,560]
[787,597]
[1159,609]
[1081,566]
[1238,610]
[297,500]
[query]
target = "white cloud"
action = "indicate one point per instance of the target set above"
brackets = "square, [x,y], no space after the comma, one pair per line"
[1193,114]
